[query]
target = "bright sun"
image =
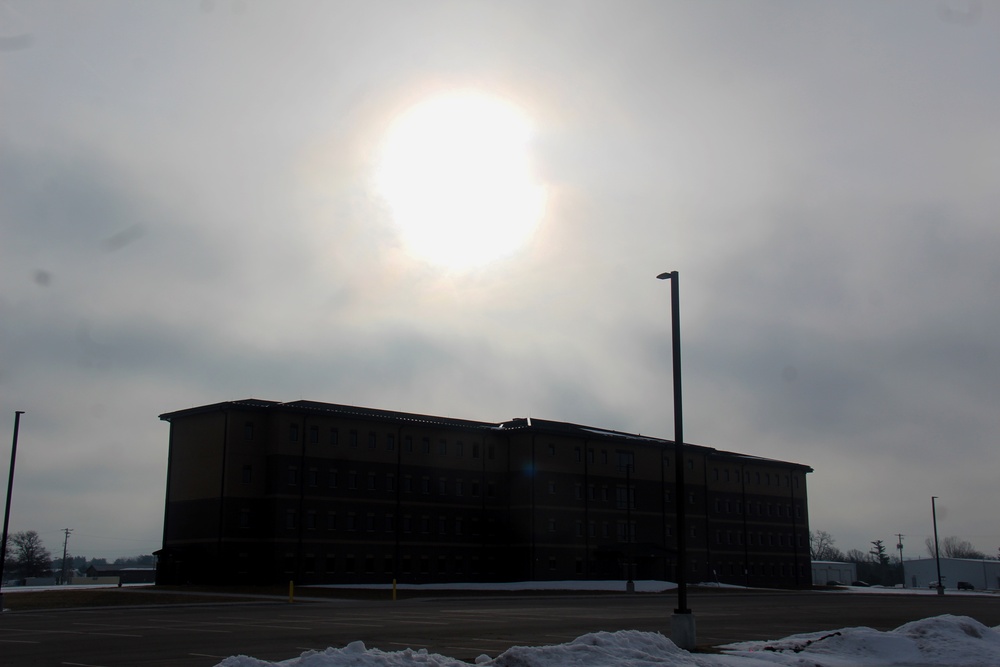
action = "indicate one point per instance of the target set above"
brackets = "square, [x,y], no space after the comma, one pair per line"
[456,173]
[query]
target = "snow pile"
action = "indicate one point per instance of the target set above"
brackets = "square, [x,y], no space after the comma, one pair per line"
[943,641]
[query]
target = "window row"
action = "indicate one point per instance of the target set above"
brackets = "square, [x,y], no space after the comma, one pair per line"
[756,477]
[759,539]
[372,522]
[354,438]
[757,508]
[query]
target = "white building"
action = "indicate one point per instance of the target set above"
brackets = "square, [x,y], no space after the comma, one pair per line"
[825,571]
[982,574]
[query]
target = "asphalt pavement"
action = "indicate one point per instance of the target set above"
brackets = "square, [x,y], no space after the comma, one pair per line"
[460,627]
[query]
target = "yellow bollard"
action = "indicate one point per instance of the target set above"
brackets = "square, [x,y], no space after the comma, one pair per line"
[291,592]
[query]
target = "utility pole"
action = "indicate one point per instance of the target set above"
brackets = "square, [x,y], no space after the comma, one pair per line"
[899,545]
[62,578]
[6,514]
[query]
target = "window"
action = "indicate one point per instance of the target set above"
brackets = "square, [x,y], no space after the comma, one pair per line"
[408,444]
[372,440]
[331,479]
[459,448]
[370,522]
[578,491]
[390,523]
[247,474]
[459,487]
[590,456]
[248,431]
[244,518]
[390,482]
[331,521]
[442,446]
[311,520]
[443,486]
[371,481]
[293,432]
[390,443]
[314,435]
[293,475]
[475,450]
[475,489]
[352,521]
[625,497]
[290,523]
[491,489]
[353,437]
[333,437]
[491,452]
[577,454]
[425,446]
[626,461]
[312,477]
[352,480]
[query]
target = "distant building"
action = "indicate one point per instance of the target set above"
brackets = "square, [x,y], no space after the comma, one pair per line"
[126,575]
[261,491]
[982,574]
[825,571]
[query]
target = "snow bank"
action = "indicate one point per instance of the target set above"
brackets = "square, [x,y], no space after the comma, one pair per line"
[943,641]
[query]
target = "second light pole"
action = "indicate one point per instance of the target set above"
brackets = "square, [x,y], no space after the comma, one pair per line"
[682,627]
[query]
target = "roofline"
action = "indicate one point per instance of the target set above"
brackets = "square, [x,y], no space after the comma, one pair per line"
[523,424]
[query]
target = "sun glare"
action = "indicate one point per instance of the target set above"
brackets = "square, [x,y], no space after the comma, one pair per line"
[456,173]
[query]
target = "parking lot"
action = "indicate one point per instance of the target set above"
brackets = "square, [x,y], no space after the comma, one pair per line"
[460,627]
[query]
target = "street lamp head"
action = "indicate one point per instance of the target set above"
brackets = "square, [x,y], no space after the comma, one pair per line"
[666,276]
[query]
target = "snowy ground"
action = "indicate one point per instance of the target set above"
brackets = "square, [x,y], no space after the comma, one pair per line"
[943,641]
[952,641]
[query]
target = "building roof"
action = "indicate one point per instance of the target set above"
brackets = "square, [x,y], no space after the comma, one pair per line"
[527,424]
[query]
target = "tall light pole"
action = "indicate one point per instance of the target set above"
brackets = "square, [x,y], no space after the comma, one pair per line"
[6,514]
[937,552]
[682,626]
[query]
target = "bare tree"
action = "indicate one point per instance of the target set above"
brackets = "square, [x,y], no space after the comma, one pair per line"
[821,547]
[29,556]
[953,547]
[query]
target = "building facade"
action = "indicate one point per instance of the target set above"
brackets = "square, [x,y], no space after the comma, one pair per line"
[267,492]
[979,574]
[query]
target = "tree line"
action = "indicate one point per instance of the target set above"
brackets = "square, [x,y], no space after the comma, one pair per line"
[27,556]
[880,566]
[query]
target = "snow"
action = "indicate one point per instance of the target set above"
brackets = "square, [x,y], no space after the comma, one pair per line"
[942,641]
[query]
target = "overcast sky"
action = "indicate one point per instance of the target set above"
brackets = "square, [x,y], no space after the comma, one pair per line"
[188,215]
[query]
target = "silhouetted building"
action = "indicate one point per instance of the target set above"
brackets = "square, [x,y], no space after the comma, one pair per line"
[265,492]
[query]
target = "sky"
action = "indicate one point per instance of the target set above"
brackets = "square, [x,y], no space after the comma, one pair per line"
[193,210]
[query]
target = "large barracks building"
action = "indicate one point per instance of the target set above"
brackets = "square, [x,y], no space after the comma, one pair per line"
[267,492]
